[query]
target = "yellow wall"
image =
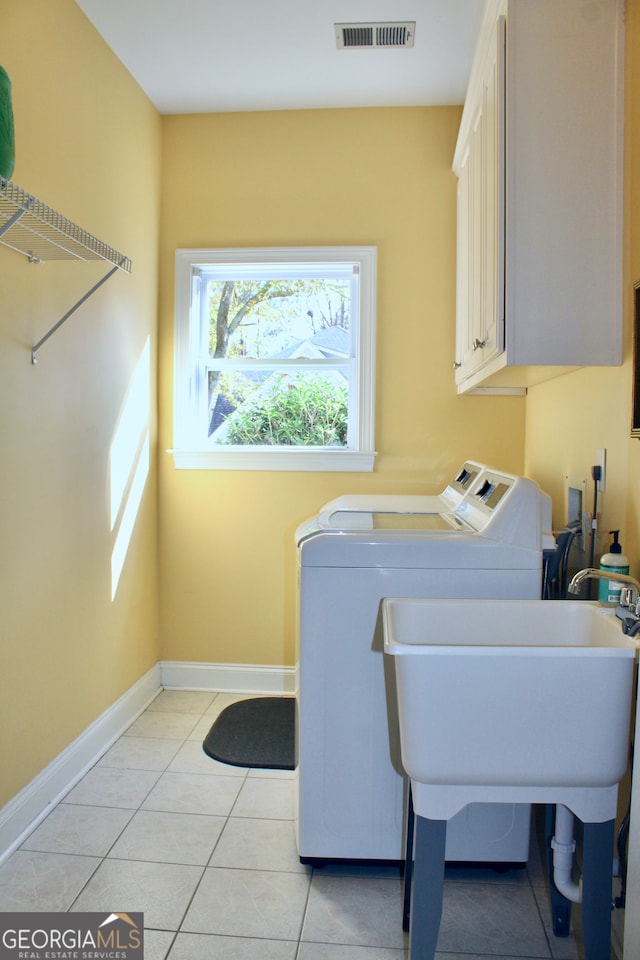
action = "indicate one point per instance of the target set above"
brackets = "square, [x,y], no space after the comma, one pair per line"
[377,176]
[88,145]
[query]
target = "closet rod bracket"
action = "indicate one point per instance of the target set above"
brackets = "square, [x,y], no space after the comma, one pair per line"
[56,326]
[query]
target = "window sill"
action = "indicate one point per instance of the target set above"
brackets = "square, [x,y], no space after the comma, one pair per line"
[348,461]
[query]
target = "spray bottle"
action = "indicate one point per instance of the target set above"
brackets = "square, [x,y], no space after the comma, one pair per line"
[613,562]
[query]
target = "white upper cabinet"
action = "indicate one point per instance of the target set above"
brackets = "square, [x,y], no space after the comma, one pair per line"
[539,166]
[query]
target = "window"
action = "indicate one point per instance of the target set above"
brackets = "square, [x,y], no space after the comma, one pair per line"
[275,359]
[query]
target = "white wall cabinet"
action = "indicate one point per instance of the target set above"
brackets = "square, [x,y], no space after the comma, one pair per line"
[539,166]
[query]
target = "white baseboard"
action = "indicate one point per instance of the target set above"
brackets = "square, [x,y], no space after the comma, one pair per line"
[230,678]
[29,807]
[25,811]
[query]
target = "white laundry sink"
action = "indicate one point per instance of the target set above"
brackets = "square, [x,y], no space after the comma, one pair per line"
[511,692]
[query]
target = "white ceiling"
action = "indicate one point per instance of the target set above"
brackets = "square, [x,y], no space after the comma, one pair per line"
[202,56]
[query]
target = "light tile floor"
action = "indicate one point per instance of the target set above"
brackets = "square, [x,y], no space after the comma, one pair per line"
[207,852]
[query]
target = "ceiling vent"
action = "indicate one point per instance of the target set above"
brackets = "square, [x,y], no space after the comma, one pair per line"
[354,36]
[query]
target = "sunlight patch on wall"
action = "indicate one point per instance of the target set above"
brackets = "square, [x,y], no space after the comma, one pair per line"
[129,516]
[129,462]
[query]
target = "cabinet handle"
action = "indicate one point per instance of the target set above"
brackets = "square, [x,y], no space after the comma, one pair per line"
[456,364]
[478,344]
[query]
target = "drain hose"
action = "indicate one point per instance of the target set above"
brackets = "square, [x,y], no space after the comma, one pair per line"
[564,846]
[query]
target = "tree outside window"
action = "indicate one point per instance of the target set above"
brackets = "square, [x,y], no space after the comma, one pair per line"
[276,320]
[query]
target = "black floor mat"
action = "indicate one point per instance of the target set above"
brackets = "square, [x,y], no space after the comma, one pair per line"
[259,732]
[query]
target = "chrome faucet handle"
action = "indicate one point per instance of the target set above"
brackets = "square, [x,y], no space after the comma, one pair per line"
[627,598]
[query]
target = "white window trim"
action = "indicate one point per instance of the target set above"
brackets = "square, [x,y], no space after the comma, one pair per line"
[188,454]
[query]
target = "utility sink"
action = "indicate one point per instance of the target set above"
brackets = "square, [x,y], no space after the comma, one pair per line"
[511,692]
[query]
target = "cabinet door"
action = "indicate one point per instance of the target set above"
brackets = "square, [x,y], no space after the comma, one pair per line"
[480,277]
[493,227]
[470,255]
[463,260]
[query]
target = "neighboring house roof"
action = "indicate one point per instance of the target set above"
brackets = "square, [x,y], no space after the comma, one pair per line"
[328,342]
[334,341]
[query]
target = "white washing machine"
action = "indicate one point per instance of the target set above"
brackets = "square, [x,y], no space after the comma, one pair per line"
[484,536]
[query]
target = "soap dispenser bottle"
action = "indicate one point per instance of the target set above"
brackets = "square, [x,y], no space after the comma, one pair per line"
[613,562]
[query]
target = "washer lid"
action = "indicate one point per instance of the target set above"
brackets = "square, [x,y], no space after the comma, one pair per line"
[381,503]
[390,521]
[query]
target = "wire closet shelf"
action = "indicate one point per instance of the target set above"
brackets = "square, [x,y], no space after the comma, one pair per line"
[32,228]
[35,230]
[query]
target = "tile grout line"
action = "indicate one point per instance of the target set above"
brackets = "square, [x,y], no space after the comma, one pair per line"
[137,809]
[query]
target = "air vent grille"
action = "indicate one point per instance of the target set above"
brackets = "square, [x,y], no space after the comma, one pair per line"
[353,36]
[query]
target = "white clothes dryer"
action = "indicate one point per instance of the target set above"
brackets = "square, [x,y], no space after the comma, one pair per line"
[484,536]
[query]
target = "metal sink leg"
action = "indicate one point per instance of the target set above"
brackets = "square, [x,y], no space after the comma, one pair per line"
[427,887]
[596,889]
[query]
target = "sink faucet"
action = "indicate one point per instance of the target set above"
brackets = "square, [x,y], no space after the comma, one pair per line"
[628,608]
[631,588]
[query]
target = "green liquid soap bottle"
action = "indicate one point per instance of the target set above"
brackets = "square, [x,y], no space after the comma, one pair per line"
[613,562]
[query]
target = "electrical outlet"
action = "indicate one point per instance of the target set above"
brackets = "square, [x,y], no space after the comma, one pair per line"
[601,460]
